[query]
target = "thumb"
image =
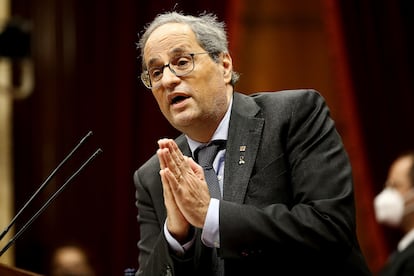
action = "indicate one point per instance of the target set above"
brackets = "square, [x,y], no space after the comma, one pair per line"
[196,168]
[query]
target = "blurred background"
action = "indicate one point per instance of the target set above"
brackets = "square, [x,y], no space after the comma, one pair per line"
[69,67]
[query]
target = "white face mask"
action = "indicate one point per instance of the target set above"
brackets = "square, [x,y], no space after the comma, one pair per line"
[389,207]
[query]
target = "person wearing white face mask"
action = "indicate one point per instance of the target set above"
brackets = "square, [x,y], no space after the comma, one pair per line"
[394,207]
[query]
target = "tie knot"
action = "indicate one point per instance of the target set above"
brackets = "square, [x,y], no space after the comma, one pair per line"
[205,154]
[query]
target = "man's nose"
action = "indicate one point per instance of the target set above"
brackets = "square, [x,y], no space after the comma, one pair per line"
[169,77]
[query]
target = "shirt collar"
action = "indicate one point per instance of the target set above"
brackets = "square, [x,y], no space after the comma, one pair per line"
[406,240]
[220,133]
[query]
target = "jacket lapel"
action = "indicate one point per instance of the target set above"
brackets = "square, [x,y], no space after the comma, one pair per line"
[243,142]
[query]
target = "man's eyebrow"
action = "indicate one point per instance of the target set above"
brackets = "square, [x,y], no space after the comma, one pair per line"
[173,52]
[152,61]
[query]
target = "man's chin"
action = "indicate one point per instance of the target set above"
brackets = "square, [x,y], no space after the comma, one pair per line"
[182,121]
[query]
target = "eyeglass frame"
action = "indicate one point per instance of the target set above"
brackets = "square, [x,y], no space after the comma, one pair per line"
[145,76]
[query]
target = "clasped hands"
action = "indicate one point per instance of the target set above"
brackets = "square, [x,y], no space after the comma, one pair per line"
[186,195]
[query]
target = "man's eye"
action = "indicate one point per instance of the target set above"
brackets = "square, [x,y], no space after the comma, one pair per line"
[154,73]
[183,62]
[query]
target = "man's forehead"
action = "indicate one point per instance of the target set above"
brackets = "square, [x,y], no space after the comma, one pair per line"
[171,31]
[169,40]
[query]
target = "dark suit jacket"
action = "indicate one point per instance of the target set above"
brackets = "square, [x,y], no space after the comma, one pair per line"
[288,210]
[400,263]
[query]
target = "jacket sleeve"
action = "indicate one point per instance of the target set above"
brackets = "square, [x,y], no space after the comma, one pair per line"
[153,248]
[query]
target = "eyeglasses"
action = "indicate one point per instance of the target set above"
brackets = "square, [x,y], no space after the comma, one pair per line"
[179,66]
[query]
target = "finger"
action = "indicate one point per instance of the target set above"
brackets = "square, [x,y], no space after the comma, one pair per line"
[171,180]
[176,152]
[162,143]
[166,187]
[164,182]
[182,167]
[172,162]
[161,153]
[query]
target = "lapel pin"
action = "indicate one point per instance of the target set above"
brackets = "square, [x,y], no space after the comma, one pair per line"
[241,159]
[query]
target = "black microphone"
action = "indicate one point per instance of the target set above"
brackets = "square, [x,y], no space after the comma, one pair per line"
[50,200]
[7,229]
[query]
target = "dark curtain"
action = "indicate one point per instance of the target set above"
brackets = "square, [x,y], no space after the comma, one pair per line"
[86,74]
[372,44]
[379,41]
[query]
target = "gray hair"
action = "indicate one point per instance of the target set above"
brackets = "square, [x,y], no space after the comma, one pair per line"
[209,32]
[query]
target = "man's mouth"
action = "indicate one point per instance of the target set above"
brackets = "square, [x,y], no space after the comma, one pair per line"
[178,99]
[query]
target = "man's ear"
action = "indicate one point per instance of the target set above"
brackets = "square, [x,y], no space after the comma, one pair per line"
[227,63]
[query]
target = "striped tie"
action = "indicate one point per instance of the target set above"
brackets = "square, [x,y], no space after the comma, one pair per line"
[205,156]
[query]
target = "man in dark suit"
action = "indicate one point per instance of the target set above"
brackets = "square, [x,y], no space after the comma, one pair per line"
[394,207]
[285,203]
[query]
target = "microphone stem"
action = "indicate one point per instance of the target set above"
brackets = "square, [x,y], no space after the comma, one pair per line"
[49,201]
[7,229]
